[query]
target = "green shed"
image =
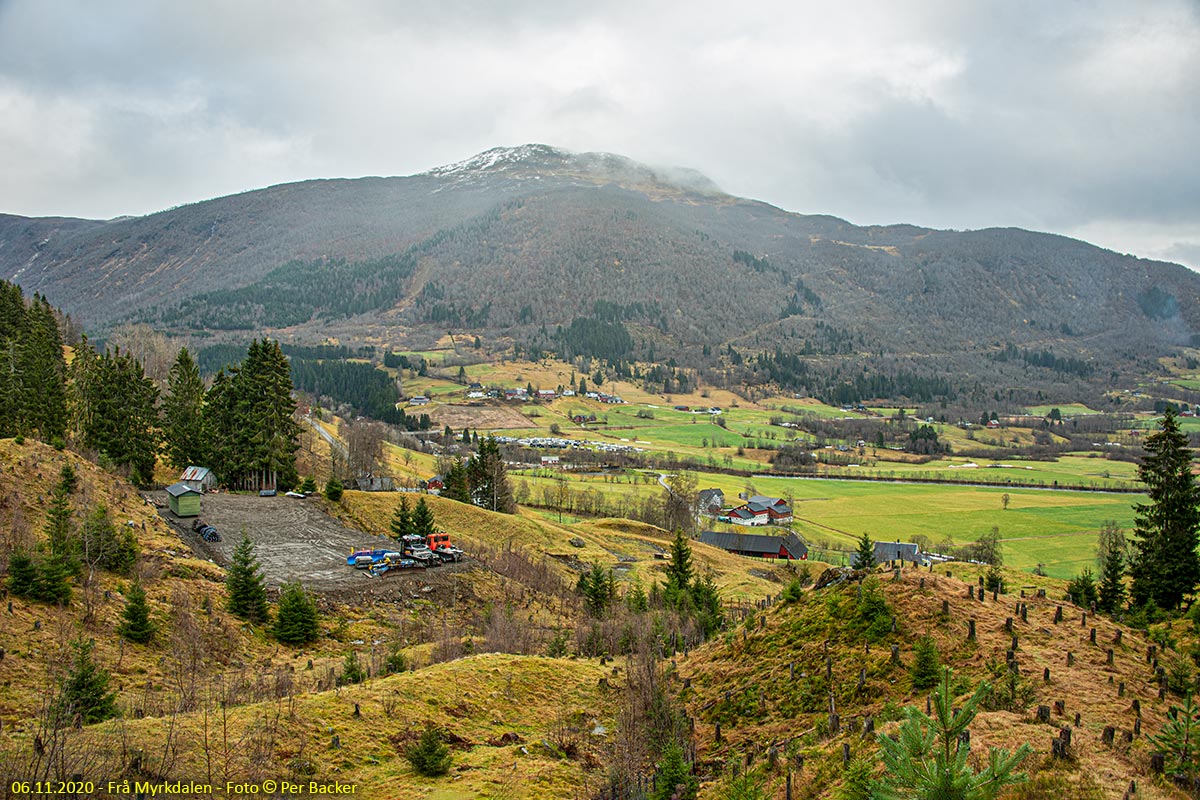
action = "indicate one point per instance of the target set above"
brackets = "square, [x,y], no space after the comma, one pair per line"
[184,500]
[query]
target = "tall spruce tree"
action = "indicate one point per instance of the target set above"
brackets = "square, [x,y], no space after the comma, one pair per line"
[402,519]
[1111,591]
[183,413]
[1165,565]
[456,484]
[244,584]
[43,373]
[864,556]
[487,476]
[248,421]
[120,413]
[422,519]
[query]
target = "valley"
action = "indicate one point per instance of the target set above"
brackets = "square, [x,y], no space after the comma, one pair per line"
[601,382]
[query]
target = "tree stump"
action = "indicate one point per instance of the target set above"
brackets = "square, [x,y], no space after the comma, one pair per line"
[357,711]
[971,592]
[845,752]
[1060,707]
[922,583]
[1046,675]
[1158,762]
[896,654]
[1070,659]
[1092,636]
[1041,592]
[792,671]
[1108,657]
[1058,615]
[1058,749]
[1121,689]
[1043,714]
[828,668]
[868,726]
[1008,624]
[1107,735]
[835,725]
[1083,620]
[1117,639]
[1014,644]
[1137,727]
[945,608]
[336,744]
[1137,706]
[971,630]
[717,733]
[1077,720]
[1024,613]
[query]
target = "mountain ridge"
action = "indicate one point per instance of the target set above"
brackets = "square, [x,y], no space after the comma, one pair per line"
[480,245]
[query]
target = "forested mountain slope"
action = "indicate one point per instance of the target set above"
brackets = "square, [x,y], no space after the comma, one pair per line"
[514,243]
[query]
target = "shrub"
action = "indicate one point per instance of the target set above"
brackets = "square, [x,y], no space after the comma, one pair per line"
[1082,590]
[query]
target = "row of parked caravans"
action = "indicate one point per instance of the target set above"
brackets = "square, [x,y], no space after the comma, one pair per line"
[416,553]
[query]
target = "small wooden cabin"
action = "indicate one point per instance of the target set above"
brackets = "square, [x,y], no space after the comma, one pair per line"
[183,500]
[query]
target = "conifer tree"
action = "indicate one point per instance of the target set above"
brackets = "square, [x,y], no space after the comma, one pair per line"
[60,531]
[22,574]
[53,583]
[422,521]
[1082,589]
[864,556]
[102,546]
[402,524]
[674,780]
[430,755]
[183,413]
[456,485]
[1166,566]
[333,490]
[928,759]
[135,619]
[120,413]
[1111,591]
[1179,741]
[679,570]
[244,583]
[84,692]
[352,671]
[487,476]
[926,668]
[43,373]
[297,620]
[599,589]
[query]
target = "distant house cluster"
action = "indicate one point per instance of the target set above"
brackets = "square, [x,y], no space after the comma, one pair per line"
[760,510]
[758,545]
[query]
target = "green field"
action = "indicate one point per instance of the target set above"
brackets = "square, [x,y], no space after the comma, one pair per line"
[1067,410]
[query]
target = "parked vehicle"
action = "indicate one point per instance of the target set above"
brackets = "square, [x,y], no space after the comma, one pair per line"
[439,543]
[416,547]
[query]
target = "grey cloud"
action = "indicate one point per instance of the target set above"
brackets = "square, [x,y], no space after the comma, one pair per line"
[1048,116]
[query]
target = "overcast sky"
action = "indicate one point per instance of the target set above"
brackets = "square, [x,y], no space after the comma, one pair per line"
[1076,117]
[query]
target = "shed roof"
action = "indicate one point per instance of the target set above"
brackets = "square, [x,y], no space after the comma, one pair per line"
[743,542]
[195,474]
[180,489]
[889,551]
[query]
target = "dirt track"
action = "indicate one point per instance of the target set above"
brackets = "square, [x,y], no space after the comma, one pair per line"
[293,540]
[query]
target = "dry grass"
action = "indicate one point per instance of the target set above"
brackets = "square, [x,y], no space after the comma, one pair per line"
[795,633]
